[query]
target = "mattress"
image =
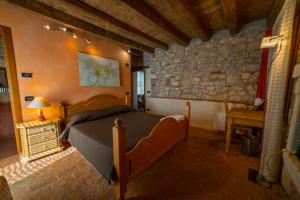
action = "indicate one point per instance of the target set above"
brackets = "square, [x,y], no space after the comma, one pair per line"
[94,141]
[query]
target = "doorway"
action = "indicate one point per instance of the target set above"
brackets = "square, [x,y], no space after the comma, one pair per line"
[138,90]
[7,136]
[10,106]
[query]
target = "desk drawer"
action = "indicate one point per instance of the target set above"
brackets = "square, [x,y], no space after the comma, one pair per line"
[43,146]
[247,122]
[41,137]
[41,129]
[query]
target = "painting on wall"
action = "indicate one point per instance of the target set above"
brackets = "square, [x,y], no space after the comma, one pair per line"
[98,71]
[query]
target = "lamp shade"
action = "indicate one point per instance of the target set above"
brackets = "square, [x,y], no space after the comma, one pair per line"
[38,102]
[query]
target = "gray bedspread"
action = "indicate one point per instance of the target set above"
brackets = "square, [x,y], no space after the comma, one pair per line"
[94,138]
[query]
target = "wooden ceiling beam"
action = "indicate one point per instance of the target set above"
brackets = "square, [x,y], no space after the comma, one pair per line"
[230,14]
[151,14]
[210,10]
[60,16]
[187,8]
[81,5]
[277,5]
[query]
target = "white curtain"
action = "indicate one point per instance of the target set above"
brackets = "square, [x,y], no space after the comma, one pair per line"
[140,82]
[277,88]
[293,142]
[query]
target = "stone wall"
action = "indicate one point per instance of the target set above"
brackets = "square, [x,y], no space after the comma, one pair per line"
[224,66]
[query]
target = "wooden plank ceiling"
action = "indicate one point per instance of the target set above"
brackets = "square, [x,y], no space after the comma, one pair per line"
[149,24]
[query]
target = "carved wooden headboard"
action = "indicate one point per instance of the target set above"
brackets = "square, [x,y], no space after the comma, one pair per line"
[98,102]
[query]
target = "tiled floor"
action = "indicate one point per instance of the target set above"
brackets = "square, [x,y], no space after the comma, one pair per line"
[198,169]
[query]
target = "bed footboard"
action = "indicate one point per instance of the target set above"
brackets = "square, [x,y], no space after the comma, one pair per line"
[165,135]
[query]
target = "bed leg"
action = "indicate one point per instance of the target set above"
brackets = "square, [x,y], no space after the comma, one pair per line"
[119,148]
[62,111]
[187,114]
[126,101]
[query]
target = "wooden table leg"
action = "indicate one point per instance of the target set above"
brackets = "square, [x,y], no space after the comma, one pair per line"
[228,134]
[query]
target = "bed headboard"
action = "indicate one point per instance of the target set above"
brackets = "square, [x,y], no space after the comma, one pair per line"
[98,102]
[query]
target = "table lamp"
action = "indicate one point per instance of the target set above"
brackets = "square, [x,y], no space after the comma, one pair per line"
[39,103]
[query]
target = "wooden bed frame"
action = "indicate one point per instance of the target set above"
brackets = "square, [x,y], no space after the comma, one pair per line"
[165,135]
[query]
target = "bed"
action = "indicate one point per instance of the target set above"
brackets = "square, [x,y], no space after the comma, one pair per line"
[119,142]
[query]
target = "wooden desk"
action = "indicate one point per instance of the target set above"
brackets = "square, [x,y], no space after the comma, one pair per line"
[242,116]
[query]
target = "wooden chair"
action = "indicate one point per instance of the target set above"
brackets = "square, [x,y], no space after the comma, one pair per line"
[236,126]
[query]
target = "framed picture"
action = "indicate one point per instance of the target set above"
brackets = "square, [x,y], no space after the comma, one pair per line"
[98,71]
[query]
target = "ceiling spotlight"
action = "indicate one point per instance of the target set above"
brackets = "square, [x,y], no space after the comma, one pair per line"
[87,41]
[47,27]
[129,51]
[64,29]
[74,36]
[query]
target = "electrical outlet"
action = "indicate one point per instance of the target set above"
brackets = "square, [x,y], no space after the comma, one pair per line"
[26,75]
[29,98]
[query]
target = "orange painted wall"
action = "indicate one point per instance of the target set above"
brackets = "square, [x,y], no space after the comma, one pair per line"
[52,58]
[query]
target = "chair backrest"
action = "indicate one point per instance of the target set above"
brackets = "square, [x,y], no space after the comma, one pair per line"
[226,113]
[226,106]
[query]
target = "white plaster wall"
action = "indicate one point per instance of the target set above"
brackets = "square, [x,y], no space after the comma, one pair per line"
[204,114]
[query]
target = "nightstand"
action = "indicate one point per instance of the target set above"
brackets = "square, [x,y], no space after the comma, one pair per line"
[39,138]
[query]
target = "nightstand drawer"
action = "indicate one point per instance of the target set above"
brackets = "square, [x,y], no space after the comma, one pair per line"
[41,129]
[43,146]
[41,137]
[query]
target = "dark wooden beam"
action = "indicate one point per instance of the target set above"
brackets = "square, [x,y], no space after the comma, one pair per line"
[230,15]
[297,10]
[60,16]
[151,14]
[186,8]
[138,68]
[116,22]
[135,52]
[210,10]
[277,5]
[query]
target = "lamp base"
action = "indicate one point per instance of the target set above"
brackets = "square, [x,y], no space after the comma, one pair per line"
[41,115]
[42,118]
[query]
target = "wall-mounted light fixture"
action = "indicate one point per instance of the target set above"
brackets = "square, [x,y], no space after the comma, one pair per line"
[46,27]
[74,36]
[66,30]
[87,41]
[270,42]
